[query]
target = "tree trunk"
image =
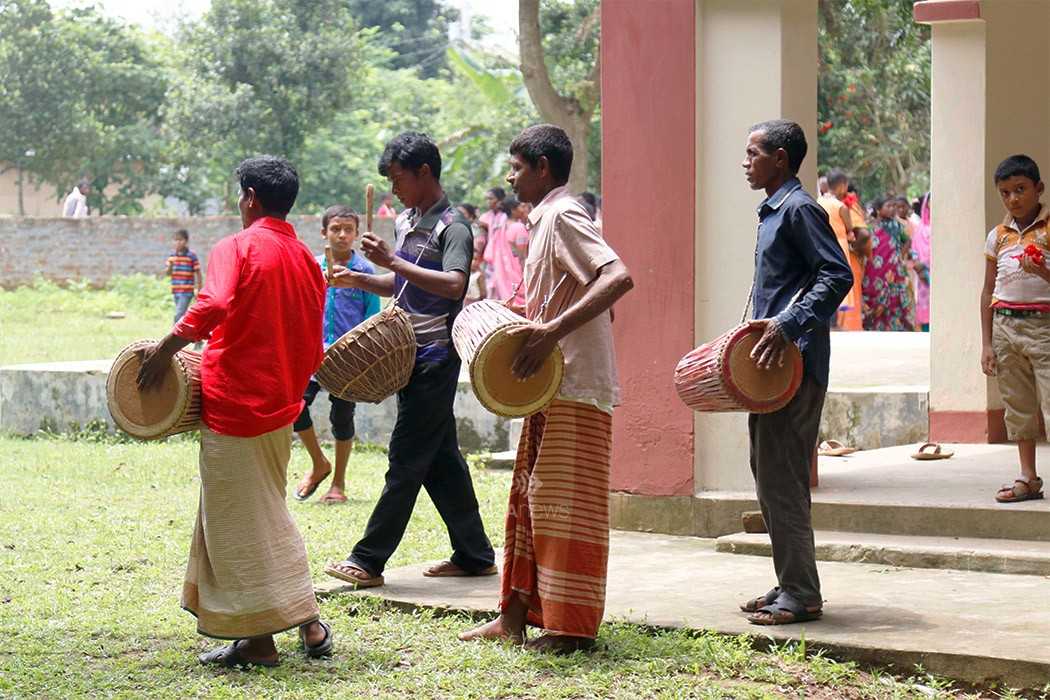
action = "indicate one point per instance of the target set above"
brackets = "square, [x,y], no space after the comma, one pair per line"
[21,199]
[565,112]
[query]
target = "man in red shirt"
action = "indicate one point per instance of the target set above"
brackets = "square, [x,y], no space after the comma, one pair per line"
[261,311]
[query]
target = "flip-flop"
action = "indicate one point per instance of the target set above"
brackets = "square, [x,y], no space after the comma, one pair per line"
[834,448]
[447,568]
[322,648]
[926,454]
[333,500]
[303,495]
[362,579]
[785,610]
[230,657]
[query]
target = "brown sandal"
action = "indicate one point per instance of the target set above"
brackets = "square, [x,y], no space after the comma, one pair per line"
[930,451]
[447,568]
[1021,490]
[352,573]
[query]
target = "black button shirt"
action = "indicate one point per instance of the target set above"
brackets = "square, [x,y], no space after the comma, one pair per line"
[798,254]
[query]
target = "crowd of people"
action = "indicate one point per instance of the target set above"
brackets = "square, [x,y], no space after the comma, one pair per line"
[889,257]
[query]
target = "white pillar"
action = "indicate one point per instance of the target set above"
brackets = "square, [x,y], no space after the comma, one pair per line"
[989,101]
[756,60]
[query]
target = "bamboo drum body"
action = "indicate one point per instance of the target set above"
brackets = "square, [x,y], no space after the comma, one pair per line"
[373,360]
[721,376]
[174,407]
[481,339]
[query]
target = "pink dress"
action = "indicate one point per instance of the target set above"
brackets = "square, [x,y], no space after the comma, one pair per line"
[920,247]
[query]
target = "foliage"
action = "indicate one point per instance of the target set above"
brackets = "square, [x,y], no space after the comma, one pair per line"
[416,31]
[874,95]
[256,77]
[80,93]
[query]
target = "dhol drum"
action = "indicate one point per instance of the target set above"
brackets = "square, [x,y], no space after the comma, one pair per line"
[721,376]
[373,360]
[481,339]
[173,407]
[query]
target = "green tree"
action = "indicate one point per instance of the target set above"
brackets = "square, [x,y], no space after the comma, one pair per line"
[255,76]
[874,94]
[415,30]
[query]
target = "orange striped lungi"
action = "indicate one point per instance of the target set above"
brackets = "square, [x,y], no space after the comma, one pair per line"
[557,542]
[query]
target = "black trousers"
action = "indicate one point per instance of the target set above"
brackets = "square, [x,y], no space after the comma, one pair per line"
[782,445]
[424,451]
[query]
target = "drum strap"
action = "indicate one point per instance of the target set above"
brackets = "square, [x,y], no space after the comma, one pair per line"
[435,233]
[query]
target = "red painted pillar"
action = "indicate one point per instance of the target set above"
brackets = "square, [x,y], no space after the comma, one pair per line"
[649,212]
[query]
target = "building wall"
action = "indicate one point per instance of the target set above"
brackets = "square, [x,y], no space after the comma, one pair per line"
[648,117]
[96,248]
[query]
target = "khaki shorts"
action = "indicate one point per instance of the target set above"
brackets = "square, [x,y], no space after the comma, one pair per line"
[1022,354]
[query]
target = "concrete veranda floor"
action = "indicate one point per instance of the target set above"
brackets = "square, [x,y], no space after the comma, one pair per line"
[959,624]
[886,361]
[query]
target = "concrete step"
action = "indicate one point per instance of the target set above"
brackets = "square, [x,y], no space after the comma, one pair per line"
[960,553]
[501,460]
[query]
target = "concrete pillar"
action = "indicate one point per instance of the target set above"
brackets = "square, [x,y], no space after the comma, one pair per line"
[648,124]
[989,101]
[755,60]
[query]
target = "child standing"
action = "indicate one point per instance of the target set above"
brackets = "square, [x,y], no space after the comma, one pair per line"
[1015,316]
[343,309]
[185,271]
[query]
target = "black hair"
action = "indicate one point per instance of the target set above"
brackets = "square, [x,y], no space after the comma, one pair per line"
[411,150]
[545,140]
[339,211]
[590,204]
[1018,165]
[837,177]
[275,181]
[876,205]
[183,234]
[781,133]
[498,193]
[471,209]
[508,205]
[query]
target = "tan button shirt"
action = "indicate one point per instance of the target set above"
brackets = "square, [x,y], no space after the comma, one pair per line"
[566,250]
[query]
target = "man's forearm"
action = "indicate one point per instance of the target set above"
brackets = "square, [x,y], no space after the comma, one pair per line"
[449,285]
[613,282]
[381,285]
[172,343]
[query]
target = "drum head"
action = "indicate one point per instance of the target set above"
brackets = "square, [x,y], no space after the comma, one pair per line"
[761,387]
[499,390]
[149,414]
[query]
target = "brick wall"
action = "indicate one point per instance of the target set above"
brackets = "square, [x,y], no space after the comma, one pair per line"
[97,248]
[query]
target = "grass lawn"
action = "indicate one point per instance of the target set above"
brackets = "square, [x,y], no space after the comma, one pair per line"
[47,323]
[93,541]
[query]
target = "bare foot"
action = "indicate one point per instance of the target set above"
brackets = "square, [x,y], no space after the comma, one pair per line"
[496,629]
[335,495]
[560,644]
[309,483]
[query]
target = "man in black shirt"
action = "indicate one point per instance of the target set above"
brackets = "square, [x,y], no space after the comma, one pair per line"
[801,277]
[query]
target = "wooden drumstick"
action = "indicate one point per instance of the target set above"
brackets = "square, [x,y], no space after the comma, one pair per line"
[329,262]
[370,195]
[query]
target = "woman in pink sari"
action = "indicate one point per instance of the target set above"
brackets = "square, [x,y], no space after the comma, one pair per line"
[921,255]
[505,254]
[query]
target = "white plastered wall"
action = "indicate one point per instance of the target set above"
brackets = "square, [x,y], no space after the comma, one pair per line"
[989,100]
[756,60]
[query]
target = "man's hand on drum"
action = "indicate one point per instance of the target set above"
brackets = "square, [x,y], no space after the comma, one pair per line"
[377,250]
[769,350]
[155,362]
[540,341]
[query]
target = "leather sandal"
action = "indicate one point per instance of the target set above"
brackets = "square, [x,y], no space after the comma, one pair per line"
[352,573]
[230,656]
[322,648]
[1021,490]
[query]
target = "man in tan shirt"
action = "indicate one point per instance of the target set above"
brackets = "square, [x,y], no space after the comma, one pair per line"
[557,530]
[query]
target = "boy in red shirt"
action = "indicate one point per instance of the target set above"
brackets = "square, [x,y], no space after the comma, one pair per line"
[261,310]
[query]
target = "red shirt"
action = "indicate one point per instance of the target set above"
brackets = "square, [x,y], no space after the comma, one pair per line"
[262,305]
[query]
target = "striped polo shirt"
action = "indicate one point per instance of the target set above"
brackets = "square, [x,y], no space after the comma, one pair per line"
[183,267]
